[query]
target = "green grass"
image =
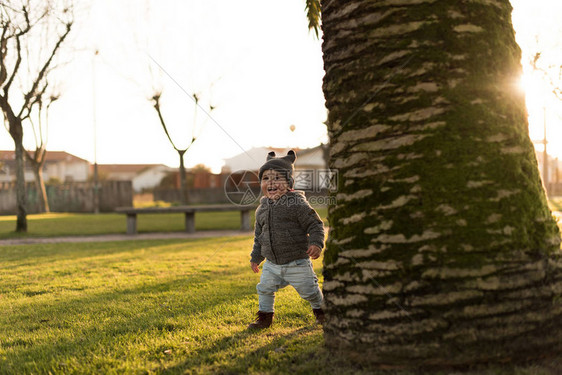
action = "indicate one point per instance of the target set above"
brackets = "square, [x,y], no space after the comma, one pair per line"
[143,307]
[156,307]
[68,224]
[161,306]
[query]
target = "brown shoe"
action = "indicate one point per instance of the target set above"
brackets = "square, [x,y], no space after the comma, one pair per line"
[319,315]
[263,320]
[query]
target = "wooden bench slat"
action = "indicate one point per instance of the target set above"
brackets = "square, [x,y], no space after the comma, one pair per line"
[181,209]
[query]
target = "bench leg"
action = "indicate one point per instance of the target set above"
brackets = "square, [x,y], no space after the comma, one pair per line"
[131,223]
[245,220]
[190,222]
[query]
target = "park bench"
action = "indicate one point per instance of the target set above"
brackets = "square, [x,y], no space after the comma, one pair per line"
[189,212]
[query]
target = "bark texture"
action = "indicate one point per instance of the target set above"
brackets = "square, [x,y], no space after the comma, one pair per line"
[21,193]
[16,132]
[442,249]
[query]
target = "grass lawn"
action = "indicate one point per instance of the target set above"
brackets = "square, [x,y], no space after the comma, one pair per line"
[70,224]
[155,307]
[146,307]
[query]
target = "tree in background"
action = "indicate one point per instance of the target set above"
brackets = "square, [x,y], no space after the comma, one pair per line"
[201,168]
[177,75]
[442,249]
[39,155]
[181,151]
[32,34]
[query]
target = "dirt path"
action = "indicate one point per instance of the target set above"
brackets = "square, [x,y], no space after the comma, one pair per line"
[143,236]
[125,237]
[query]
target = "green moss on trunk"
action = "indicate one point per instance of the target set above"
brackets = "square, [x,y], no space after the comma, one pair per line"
[446,178]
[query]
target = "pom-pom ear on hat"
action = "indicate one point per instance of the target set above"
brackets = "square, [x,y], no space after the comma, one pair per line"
[291,156]
[283,164]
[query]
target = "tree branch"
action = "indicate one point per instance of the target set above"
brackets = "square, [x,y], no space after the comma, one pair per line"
[16,67]
[3,54]
[156,99]
[28,24]
[37,99]
[555,88]
[42,72]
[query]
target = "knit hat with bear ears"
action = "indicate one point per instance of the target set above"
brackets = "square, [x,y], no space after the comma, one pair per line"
[283,165]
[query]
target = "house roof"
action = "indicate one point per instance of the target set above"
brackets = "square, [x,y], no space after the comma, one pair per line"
[52,156]
[306,151]
[255,157]
[126,168]
[8,156]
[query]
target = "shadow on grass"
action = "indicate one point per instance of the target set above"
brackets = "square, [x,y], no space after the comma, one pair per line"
[44,334]
[41,253]
[300,351]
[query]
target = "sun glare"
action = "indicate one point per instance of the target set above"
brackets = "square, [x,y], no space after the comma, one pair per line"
[538,32]
[535,90]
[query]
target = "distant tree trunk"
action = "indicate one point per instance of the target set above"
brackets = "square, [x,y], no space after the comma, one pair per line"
[442,249]
[183,179]
[37,162]
[40,185]
[16,132]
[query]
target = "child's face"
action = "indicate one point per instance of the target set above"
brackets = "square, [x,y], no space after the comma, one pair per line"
[273,184]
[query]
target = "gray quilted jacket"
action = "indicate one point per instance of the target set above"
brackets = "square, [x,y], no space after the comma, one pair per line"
[285,228]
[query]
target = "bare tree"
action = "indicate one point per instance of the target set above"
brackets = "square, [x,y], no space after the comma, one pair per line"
[181,151]
[27,58]
[551,73]
[39,155]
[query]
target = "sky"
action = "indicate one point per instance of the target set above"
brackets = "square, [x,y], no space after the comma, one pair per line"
[254,61]
[538,26]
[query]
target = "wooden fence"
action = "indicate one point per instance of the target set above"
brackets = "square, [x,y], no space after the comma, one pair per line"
[69,197]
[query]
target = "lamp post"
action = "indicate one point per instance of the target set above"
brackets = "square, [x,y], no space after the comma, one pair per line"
[96,176]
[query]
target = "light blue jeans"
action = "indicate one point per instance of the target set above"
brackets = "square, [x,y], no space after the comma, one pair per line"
[299,274]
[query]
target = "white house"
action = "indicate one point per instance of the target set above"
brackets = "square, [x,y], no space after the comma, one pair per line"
[311,170]
[250,160]
[151,177]
[59,165]
[142,176]
[254,158]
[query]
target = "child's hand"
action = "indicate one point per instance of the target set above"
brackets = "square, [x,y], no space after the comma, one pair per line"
[255,267]
[314,251]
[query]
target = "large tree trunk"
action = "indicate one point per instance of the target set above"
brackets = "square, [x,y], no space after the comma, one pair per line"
[21,194]
[442,249]
[16,132]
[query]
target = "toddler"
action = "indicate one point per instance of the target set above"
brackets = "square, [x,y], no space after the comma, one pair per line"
[288,232]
